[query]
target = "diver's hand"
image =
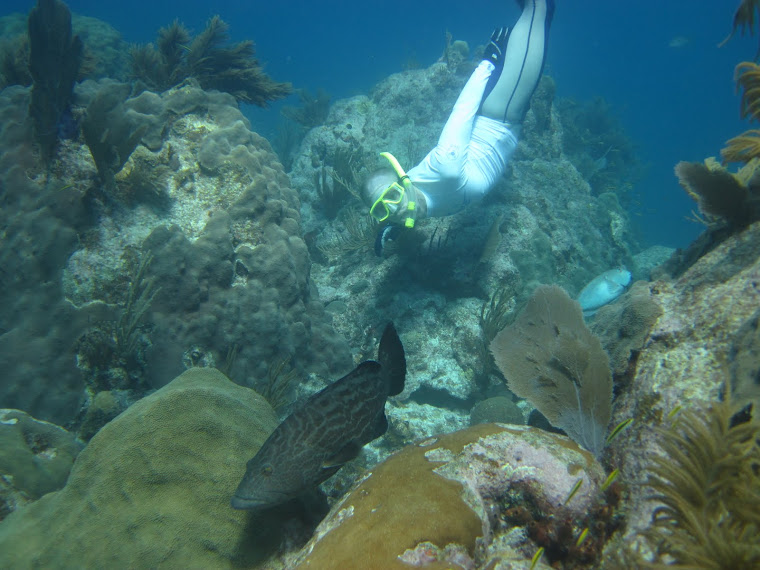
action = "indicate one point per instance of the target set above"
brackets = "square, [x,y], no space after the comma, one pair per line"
[494,51]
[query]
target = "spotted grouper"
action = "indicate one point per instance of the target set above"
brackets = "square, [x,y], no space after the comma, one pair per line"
[325,431]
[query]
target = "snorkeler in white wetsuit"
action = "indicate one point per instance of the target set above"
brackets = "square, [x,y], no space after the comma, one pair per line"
[480,134]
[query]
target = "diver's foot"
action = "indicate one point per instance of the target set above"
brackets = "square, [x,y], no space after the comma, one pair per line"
[549,6]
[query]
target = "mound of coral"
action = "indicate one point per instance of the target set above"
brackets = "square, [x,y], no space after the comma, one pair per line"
[474,498]
[205,199]
[153,486]
[35,458]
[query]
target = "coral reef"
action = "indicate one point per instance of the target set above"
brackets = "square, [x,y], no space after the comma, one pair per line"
[35,459]
[473,498]
[720,194]
[209,59]
[229,263]
[686,361]
[153,486]
[542,223]
[166,236]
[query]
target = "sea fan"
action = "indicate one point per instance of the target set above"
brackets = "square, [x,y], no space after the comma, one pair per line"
[551,358]
[744,19]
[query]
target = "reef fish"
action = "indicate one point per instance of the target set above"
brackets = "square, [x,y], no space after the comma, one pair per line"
[325,431]
[603,289]
[679,42]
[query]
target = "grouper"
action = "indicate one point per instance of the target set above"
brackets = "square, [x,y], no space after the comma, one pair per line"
[325,431]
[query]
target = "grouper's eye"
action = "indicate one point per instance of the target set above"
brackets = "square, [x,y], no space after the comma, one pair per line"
[266,470]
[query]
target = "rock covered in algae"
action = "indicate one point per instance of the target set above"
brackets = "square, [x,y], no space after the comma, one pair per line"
[153,486]
[440,503]
[689,356]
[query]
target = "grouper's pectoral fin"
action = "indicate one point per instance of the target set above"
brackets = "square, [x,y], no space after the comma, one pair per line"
[343,455]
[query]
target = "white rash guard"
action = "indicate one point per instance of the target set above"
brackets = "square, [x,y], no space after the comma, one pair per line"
[471,154]
[482,130]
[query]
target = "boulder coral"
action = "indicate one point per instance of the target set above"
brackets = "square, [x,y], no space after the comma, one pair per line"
[153,486]
[467,499]
[35,458]
[41,226]
[207,198]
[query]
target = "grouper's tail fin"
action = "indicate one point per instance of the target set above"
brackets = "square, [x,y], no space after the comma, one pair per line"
[391,357]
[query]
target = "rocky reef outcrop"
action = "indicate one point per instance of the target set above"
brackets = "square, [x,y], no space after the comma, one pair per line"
[555,218]
[205,201]
[699,346]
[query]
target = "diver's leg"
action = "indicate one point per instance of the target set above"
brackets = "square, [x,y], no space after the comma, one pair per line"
[450,152]
[507,96]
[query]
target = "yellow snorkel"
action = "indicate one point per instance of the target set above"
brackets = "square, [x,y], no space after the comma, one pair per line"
[396,195]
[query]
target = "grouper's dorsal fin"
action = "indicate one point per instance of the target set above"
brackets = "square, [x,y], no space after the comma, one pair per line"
[391,357]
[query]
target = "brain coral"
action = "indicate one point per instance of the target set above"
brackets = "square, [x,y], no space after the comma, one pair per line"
[438,503]
[153,486]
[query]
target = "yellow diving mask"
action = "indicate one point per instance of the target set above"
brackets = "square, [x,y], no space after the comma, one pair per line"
[391,196]
[394,195]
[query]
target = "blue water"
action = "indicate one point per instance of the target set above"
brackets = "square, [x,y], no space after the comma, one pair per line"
[676,103]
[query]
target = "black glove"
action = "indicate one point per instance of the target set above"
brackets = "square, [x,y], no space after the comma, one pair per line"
[494,51]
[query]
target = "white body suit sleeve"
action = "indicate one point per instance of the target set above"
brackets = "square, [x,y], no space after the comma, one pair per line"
[471,154]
